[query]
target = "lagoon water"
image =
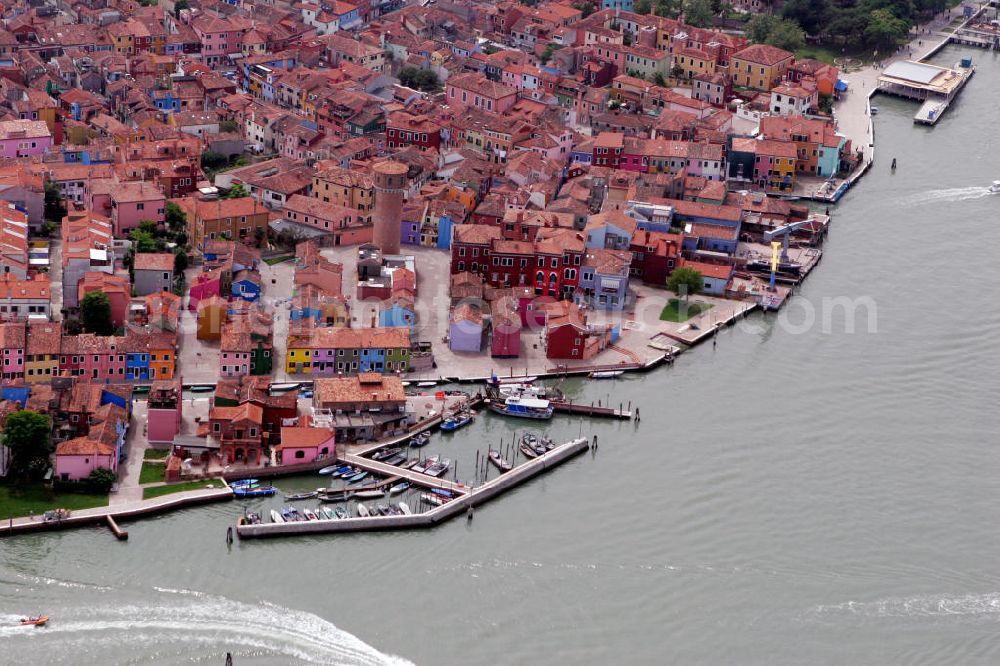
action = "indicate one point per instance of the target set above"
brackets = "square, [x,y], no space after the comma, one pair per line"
[796,494]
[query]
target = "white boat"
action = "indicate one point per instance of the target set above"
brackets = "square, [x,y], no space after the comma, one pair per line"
[289,386]
[606,374]
[426,384]
[363,511]
[995,187]
[526,408]
[405,508]
[435,500]
[276,516]
[369,494]
[499,462]
[521,390]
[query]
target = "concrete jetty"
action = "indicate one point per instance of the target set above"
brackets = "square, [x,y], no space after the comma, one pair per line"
[461,504]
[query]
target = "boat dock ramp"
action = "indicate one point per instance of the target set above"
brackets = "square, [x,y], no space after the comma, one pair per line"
[462,504]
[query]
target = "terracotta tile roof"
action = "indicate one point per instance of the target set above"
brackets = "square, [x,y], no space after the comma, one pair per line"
[332,390]
[477,234]
[303,437]
[154,261]
[44,338]
[12,335]
[763,54]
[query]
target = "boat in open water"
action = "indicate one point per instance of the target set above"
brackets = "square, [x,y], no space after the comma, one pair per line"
[36,620]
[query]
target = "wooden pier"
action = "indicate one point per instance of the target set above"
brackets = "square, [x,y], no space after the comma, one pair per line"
[473,497]
[570,407]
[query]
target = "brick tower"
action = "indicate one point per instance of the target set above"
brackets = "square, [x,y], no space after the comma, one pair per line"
[390,182]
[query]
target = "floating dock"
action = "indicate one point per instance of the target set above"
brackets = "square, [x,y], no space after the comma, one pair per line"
[460,505]
[936,87]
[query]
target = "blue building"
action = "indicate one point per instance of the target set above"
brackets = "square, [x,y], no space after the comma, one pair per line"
[398,312]
[372,360]
[246,286]
[624,5]
[137,366]
[604,278]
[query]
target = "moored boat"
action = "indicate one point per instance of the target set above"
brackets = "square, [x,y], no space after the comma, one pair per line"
[453,423]
[527,450]
[326,471]
[349,473]
[276,516]
[420,439]
[427,384]
[434,500]
[341,513]
[499,462]
[287,386]
[385,453]
[399,487]
[301,496]
[995,187]
[357,477]
[310,514]
[363,511]
[606,374]
[422,466]
[254,491]
[438,468]
[328,513]
[405,508]
[525,408]
[369,494]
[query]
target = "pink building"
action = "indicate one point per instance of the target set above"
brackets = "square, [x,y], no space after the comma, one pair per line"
[117,289]
[95,357]
[305,444]
[13,340]
[77,458]
[219,37]
[23,138]
[165,411]
[133,202]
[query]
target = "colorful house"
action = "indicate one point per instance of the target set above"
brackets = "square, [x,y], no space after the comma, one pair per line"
[247,286]
[24,138]
[165,411]
[305,444]
[115,287]
[568,336]
[12,341]
[44,340]
[211,317]
[465,328]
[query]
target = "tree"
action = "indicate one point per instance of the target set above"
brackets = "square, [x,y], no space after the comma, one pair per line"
[698,13]
[586,7]
[213,161]
[885,28]
[176,217]
[759,28]
[259,235]
[180,261]
[72,327]
[811,15]
[28,436]
[644,7]
[685,281]
[787,35]
[178,6]
[95,312]
[101,479]
[237,191]
[142,241]
[55,208]
[419,79]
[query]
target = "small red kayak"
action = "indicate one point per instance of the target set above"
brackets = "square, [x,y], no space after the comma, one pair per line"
[34,621]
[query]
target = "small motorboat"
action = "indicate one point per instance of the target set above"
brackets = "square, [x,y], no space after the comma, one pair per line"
[439,468]
[419,440]
[995,187]
[280,388]
[301,496]
[276,516]
[349,473]
[326,471]
[527,450]
[37,620]
[327,514]
[369,494]
[523,407]
[341,513]
[410,463]
[874,110]
[399,487]
[336,496]
[385,454]
[254,491]
[363,511]
[606,374]
[383,509]
[531,440]
[422,466]
[396,459]
[357,477]
[287,514]
[426,384]
[202,388]
[434,500]
[499,462]
[453,423]
[405,508]
[239,483]
[310,514]
[447,494]
[548,443]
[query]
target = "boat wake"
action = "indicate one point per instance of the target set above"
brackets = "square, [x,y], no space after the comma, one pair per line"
[182,626]
[931,606]
[950,195]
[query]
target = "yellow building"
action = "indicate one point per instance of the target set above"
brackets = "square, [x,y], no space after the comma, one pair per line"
[694,62]
[41,358]
[351,189]
[760,66]
[298,356]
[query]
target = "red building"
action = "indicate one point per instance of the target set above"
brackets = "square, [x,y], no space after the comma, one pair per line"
[654,255]
[608,148]
[470,248]
[403,130]
[506,340]
[568,336]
